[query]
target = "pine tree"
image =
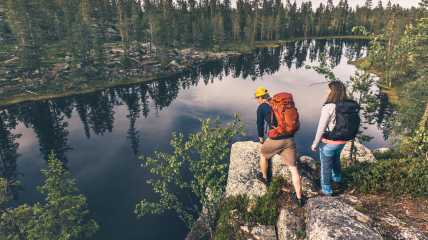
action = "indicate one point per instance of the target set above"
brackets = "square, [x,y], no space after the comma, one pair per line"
[22,16]
[368,4]
[423,4]
[380,5]
[227,20]
[389,5]
[64,212]
[123,25]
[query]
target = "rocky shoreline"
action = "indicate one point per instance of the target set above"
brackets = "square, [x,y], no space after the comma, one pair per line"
[65,78]
[323,218]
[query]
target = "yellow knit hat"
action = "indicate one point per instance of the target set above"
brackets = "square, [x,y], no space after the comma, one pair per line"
[261,91]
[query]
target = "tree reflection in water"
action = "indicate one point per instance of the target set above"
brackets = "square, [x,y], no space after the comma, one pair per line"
[96,110]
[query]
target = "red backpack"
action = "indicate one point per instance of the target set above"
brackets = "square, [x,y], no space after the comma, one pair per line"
[286,114]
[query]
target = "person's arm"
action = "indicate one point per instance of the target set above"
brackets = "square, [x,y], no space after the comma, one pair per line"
[261,122]
[326,113]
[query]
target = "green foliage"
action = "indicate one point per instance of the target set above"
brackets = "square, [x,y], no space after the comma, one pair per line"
[300,233]
[386,155]
[420,142]
[227,226]
[4,195]
[360,30]
[195,170]
[417,144]
[400,53]
[397,176]
[324,69]
[411,105]
[63,215]
[263,210]
[266,209]
[400,58]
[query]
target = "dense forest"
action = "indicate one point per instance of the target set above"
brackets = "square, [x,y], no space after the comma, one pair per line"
[34,33]
[82,27]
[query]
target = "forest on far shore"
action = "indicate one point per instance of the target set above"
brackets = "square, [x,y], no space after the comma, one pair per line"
[81,27]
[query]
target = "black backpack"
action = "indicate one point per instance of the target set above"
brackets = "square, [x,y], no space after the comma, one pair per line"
[347,121]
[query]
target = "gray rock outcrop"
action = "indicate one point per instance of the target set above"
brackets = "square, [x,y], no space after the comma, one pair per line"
[243,169]
[329,218]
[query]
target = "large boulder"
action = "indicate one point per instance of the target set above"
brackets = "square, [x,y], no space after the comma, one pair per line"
[242,171]
[329,218]
[362,154]
[244,165]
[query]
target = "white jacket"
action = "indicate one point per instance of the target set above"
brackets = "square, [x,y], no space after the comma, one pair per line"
[326,123]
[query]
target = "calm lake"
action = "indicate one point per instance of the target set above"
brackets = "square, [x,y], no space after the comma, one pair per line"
[100,135]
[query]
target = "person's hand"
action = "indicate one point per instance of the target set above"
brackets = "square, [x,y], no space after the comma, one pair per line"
[313,148]
[261,140]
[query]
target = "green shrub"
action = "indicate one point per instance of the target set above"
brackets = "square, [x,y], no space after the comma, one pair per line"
[386,155]
[412,102]
[227,228]
[62,215]
[266,209]
[397,176]
[195,169]
[238,210]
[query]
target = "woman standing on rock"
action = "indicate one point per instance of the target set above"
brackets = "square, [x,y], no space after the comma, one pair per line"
[278,120]
[339,123]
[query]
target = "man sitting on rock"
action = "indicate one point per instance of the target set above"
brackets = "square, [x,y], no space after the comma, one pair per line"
[278,120]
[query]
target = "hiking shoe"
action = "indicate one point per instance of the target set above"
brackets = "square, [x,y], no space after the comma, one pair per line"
[299,202]
[262,179]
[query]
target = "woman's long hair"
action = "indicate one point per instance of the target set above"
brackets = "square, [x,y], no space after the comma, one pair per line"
[337,92]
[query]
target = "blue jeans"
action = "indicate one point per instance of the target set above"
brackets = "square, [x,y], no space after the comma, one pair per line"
[330,166]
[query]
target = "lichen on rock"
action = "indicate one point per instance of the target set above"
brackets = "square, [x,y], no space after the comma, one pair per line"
[329,218]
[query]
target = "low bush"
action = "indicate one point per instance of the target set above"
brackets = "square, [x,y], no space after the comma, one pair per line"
[396,176]
[239,210]
[227,226]
[266,209]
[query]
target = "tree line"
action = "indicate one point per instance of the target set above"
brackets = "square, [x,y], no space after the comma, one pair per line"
[82,26]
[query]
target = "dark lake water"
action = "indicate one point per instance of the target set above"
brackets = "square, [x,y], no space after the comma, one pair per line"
[100,135]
